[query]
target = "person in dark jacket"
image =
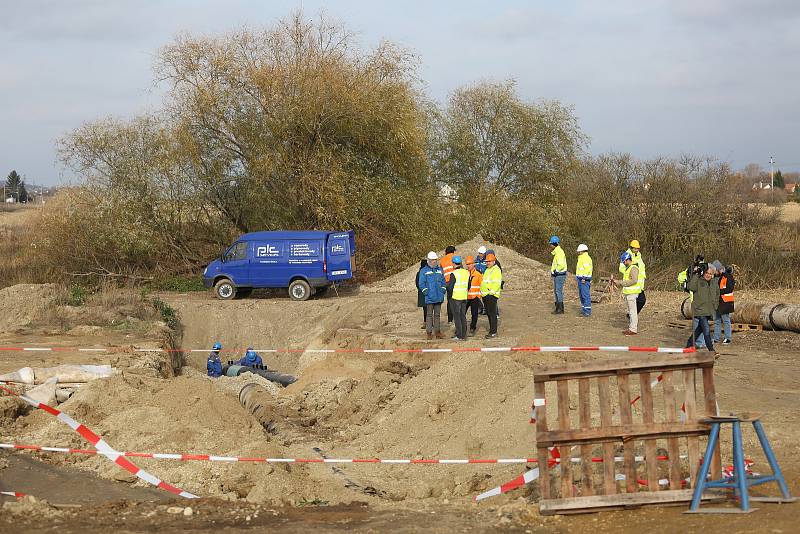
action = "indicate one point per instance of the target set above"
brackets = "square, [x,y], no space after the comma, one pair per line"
[214,364]
[726,305]
[704,304]
[250,358]
[420,294]
[431,282]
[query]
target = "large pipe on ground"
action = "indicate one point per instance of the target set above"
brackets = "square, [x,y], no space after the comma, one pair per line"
[259,402]
[272,376]
[774,316]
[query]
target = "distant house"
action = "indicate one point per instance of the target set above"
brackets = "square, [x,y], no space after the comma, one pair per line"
[761,185]
[790,188]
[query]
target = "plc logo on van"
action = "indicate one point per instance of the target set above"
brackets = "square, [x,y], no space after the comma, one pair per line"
[267,251]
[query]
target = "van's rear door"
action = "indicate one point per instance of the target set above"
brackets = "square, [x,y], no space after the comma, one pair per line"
[339,250]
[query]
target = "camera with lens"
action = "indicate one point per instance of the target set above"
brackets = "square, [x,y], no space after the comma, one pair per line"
[699,265]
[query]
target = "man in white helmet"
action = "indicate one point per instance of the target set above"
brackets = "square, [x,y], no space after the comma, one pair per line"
[480,259]
[430,282]
[583,275]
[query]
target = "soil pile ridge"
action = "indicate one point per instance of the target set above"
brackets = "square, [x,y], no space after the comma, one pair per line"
[519,272]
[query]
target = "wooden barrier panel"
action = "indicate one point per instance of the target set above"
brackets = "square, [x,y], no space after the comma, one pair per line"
[611,457]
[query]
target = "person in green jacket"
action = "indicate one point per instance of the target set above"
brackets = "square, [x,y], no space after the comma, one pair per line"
[491,287]
[705,289]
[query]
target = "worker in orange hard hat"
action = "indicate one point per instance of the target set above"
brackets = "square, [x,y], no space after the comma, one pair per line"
[474,295]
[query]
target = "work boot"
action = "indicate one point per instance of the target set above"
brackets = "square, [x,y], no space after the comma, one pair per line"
[555,309]
[430,335]
[560,308]
[472,331]
[439,335]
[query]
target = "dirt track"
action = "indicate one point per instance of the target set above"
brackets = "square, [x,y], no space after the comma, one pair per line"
[363,405]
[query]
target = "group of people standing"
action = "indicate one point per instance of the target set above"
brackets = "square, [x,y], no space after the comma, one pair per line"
[466,283]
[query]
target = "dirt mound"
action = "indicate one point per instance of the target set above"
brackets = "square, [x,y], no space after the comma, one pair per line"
[519,272]
[24,304]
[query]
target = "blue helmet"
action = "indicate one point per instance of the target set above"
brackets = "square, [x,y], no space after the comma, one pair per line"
[217,346]
[457,259]
[554,240]
[625,256]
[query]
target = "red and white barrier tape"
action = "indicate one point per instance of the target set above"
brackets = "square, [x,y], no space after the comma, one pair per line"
[102,447]
[16,494]
[369,351]
[216,458]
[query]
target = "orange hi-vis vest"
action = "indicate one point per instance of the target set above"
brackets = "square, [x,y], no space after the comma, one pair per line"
[723,284]
[475,280]
[446,263]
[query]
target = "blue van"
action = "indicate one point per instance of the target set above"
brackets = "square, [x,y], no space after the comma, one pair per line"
[305,262]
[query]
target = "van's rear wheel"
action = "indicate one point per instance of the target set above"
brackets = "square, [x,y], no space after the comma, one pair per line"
[224,289]
[299,290]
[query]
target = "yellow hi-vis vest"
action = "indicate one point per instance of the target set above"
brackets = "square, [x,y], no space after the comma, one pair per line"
[461,287]
[492,279]
[682,277]
[636,259]
[559,264]
[636,288]
[584,266]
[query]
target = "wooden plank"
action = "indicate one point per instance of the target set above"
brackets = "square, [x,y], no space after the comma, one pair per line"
[649,363]
[622,500]
[710,402]
[564,425]
[690,408]
[609,476]
[648,418]
[622,433]
[585,413]
[673,448]
[542,452]
[626,418]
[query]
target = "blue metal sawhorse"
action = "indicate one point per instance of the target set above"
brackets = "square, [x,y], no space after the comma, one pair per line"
[740,481]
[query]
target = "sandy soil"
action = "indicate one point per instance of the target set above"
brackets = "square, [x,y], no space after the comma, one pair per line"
[382,405]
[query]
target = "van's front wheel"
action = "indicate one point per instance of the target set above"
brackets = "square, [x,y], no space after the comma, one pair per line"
[224,289]
[299,290]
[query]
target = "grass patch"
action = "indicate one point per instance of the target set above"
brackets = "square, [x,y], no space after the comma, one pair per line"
[76,295]
[181,284]
[167,313]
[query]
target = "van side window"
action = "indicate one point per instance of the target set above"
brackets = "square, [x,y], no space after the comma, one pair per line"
[237,252]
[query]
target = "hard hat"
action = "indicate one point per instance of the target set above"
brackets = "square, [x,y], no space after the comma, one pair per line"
[457,259]
[469,260]
[491,257]
[250,351]
[582,248]
[481,250]
[635,244]
[432,255]
[554,240]
[625,256]
[217,346]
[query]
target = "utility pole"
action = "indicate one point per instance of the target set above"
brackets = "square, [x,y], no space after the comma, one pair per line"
[771,180]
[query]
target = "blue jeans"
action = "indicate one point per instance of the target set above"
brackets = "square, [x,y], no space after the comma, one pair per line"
[558,286]
[702,329]
[585,294]
[724,319]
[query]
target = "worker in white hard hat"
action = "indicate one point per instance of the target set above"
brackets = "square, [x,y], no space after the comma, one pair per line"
[583,275]
[430,282]
[480,259]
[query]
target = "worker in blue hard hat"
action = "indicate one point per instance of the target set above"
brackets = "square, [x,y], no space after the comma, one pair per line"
[558,270]
[214,364]
[250,358]
[632,285]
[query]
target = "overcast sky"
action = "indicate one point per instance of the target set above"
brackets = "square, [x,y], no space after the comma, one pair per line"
[709,77]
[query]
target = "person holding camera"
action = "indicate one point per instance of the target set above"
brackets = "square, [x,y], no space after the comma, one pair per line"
[705,289]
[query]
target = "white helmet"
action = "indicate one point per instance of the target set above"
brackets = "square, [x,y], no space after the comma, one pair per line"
[432,255]
[481,250]
[582,248]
